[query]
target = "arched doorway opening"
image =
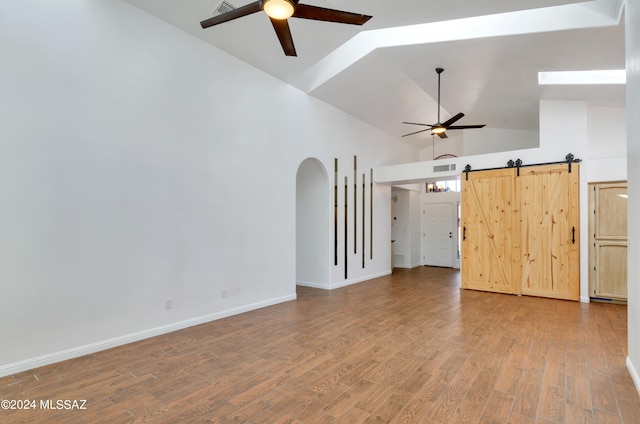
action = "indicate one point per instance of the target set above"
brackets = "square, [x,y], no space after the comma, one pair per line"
[312,225]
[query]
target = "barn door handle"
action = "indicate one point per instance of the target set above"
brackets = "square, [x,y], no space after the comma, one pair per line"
[573,235]
[464,233]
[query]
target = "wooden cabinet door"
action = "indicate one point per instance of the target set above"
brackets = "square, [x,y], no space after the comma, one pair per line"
[610,282]
[489,230]
[549,231]
[608,241]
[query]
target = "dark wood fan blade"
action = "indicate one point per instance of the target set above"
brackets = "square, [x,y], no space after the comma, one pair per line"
[329,15]
[234,14]
[284,35]
[415,123]
[417,132]
[452,120]
[442,135]
[462,127]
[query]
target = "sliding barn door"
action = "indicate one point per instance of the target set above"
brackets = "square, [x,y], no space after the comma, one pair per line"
[521,231]
[490,232]
[549,231]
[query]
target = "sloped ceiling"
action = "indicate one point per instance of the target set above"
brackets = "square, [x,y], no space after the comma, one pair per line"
[384,72]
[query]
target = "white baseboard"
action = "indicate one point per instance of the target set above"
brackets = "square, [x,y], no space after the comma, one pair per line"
[407,266]
[342,283]
[76,352]
[585,299]
[359,280]
[314,285]
[634,374]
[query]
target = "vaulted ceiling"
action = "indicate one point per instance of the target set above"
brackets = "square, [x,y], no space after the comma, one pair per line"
[384,72]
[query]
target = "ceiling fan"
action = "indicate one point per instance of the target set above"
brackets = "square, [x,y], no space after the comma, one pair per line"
[279,11]
[440,128]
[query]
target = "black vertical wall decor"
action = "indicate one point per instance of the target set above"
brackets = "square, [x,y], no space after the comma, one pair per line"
[355,204]
[335,211]
[346,224]
[363,217]
[371,214]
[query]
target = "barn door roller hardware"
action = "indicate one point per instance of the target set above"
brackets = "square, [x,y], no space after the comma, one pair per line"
[467,169]
[570,158]
[517,164]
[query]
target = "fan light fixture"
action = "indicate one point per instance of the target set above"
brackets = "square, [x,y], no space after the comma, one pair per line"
[440,128]
[278,9]
[279,12]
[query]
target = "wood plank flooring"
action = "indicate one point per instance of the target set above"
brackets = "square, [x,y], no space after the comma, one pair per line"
[407,348]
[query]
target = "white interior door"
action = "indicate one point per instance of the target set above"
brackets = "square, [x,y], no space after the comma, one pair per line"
[437,234]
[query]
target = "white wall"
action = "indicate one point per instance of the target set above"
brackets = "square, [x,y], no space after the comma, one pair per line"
[491,140]
[606,144]
[632,25]
[435,146]
[415,217]
[479,141]
[607,133]
[138,164]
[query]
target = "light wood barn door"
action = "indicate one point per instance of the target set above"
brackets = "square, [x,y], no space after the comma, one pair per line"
[608,244]
[489,230]
[549,231]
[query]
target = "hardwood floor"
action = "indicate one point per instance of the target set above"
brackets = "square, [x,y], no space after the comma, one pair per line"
[408,348]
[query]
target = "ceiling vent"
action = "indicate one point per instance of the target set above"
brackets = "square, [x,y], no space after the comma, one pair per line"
[223,8]
[444,168]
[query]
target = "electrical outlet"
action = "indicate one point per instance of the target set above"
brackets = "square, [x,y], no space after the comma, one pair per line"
[223,294]
[168,304]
